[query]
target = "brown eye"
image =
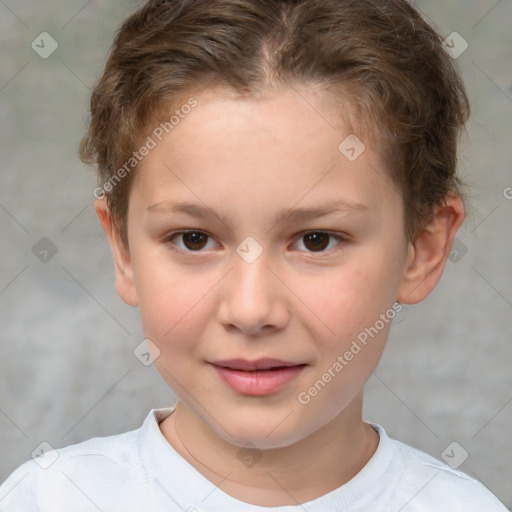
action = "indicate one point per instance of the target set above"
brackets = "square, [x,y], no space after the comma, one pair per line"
[192,241]
[318,241]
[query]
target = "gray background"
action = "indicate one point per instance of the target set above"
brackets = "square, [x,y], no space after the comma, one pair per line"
[67,369]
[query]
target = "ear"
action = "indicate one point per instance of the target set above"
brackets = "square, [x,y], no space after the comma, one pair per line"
[430,251]
[125,283]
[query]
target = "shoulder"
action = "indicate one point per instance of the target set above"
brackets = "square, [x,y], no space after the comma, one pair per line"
[78,473]
[426,483]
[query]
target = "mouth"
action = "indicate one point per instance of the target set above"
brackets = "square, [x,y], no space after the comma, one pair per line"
[257,378]
[266,364]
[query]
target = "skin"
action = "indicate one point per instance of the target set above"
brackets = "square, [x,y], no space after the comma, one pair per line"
[247,160]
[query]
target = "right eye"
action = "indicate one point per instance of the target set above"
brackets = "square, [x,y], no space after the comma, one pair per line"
[192,241]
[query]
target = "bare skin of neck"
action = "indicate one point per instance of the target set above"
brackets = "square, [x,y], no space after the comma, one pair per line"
[292,475]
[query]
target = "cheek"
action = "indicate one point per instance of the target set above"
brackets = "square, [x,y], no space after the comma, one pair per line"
[350,303]
[351,297]
[172,302]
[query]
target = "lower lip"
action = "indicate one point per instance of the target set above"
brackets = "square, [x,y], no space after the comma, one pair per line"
[258,383]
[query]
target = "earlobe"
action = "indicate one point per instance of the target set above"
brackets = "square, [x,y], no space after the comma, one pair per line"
[125,283]
[429,253]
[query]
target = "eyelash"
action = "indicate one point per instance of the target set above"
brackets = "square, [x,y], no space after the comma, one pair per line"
[172,236]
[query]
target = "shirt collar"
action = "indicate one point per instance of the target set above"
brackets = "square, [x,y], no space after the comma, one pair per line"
[188,488]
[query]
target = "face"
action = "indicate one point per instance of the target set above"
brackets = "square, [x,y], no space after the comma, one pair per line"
[291,252]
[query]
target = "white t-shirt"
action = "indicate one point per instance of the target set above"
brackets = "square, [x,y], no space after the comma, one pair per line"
[140,471]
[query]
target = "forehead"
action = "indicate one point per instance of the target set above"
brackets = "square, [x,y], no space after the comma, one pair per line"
[290,142]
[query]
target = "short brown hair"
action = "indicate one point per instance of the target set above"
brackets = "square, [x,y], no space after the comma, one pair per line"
[404,89]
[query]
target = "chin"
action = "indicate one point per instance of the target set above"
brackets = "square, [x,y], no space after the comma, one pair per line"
[260,432]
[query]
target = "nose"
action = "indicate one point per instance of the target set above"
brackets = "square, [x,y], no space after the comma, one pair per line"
[253,299]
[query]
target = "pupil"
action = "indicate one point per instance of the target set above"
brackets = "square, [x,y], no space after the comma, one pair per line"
[194,238]
[318,240]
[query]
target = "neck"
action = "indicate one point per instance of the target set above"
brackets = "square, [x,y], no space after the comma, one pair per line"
[290,475]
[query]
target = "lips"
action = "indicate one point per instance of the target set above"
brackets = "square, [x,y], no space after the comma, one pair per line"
[260,364]
[257,378]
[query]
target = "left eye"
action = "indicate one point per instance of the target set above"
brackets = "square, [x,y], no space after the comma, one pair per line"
[193,241]
[318,241]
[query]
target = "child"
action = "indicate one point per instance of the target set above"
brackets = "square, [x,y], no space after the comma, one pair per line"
[276,179]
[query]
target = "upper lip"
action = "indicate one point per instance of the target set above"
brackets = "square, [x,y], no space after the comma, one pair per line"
[259,364]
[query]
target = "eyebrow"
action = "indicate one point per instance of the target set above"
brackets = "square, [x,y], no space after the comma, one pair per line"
[202,211]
